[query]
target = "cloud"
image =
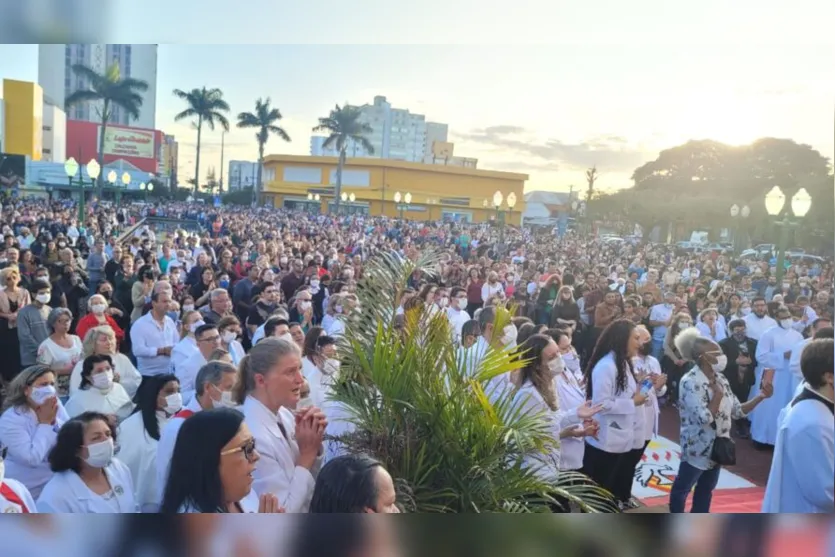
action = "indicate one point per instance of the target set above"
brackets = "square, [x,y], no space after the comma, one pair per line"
[611,152]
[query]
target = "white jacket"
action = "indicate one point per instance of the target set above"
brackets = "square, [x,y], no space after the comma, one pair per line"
[129,376]
[167,442]
[19,491]
[619,419]
[139,453]
[29,444]
[277,471]
[67,493]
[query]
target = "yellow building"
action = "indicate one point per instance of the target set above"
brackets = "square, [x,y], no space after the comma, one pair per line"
[23,133]
[437,191]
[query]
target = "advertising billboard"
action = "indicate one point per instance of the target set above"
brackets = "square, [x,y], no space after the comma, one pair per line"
[12,172]
[122,142]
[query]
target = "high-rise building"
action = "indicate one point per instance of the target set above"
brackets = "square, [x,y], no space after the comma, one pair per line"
[139,61]
[396,134]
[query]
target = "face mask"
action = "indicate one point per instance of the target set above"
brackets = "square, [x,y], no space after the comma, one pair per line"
[100,454]
[268,277]
[555,366]
[461,303]
[283,261]
[188,307]
[106,294]
[304,306]
[173,316]
[225,400]
[103,381]
[721,362]
[194,326]
[786,323]
[786,285]
[42,394]
[228,336]
[314,284]
[43,298]
[224,284]
[173,403]
[330,367]
[444,302]
[746,311]
[98,309]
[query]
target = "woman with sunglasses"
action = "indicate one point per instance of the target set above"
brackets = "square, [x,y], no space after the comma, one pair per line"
[211,470]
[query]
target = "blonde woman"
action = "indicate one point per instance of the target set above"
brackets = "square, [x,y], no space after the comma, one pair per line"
[11,300]
[187,347]
[102,341]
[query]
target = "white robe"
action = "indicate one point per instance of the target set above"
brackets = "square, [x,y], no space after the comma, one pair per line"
[18,489]
[802,469]
[114,401]
[794,365]
[139,453]
[770,354]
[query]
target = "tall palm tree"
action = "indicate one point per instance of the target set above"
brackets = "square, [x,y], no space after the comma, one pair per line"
[207,105]
[111,90]
[343,124]
[264,119]
[591,178]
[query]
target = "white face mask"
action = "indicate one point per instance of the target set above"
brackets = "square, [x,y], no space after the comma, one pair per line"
[103,381]
[225,400]
[786,323]
[100,454]
[444,302]
[98,309]
[330,367]
[173,403]
[721,363]
[42,394]
[509,335]
[461,303]
[556,366]
[43,298]
[314,284]
[188,307]
[228,336]
[304,306]
[196,325]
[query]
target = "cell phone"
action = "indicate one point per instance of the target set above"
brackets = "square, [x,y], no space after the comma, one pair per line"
[768,377]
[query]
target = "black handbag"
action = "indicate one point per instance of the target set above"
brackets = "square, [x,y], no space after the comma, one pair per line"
[723,452]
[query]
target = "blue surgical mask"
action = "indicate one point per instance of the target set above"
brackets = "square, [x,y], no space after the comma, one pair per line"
[224,284]
[173,315]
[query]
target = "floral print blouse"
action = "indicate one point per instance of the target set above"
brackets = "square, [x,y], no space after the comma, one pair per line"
[698,426]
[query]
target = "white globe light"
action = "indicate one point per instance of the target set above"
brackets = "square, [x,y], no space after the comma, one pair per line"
[801,203]
[71,167]
[774,201]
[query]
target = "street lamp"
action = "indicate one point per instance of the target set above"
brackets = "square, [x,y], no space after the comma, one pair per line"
[743,213]
[125,182]
[775,200]
[352,197]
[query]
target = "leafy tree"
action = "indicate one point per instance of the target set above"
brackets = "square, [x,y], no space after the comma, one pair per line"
[111,89]
[343,126]
[264,120]
[242,196]
[591,178]
[415,407]
[208,106]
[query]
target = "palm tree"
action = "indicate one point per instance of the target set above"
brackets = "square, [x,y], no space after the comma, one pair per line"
[591,178]
[264,119]
[111,90]
[207,105]
[344,124]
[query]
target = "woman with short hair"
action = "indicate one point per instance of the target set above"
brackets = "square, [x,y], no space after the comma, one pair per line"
[61,350]
[99,392]
[101,341]
[87,478]
[212,467]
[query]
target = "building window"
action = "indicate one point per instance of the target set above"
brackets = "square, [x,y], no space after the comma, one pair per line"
[47,128]
[47,151]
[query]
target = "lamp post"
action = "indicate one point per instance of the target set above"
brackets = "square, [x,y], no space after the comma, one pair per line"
[800,205]
[143,188]
[498,197]
[743,214]
[397,199]
[71,168]
[344,198]
[125,182]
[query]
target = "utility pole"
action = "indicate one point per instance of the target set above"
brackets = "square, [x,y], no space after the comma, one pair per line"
[222,145]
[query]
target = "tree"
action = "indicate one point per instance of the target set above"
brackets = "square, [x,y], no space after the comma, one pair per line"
[111,90]
[264,119]
[211,181]
[591,178]
[208,106]
[416,407]
[343,126]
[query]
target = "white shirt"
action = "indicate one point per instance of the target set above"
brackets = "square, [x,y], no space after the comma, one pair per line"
[29,444]
[183,350]
[113,401]
[129,376]
[619,419]
[8,507]
[139,453]
[457,318]
[571,395]
[755,327]
[67,493]
[663,313]
[721,331]
[649,365]
[236,351]
[487,290]
[334,326]
[187,373]
[794,364]
[146,336]
[277,472]
[800,480]
[167,442]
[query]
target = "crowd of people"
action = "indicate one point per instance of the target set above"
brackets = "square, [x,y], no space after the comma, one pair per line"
[157,369]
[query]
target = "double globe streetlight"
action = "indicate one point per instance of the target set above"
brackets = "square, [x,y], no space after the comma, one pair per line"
[71,168]
[742,213]
[775,200]
[407,199]
[498,197]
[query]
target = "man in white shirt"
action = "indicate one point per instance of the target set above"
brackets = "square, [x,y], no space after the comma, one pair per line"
[801,474]
[208,340]
[214,384]
[153,336]
[457,312]
[659,316]
[757,322]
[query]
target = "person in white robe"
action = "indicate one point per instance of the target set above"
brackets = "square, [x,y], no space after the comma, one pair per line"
[102,340]
[802,469]
[14,497]
[758,321]
[158,400]
[797,351]
[773,352]
[98,392]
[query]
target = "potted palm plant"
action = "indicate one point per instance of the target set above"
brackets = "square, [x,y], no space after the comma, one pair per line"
[415,407]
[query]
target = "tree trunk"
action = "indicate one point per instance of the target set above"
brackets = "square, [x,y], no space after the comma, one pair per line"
[104,119]
[338,191]
[259,187]
[197,158]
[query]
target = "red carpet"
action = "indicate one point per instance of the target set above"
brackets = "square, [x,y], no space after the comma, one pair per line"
[743,500]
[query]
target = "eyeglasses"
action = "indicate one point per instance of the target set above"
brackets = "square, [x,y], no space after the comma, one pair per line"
[247,448]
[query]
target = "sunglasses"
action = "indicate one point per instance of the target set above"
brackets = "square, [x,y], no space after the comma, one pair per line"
[247,448]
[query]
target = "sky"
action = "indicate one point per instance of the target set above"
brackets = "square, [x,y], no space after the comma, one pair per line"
[576,84]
